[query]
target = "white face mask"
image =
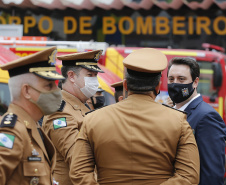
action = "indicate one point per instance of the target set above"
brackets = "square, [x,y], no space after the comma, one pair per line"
[91,86]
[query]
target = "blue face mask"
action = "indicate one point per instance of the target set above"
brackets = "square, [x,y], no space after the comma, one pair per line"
[180,92]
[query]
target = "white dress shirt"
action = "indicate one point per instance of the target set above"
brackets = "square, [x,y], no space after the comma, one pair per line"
[185,105]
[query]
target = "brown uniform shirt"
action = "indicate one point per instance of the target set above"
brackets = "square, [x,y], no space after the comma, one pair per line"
[24,158]
[136,141]
[62,128]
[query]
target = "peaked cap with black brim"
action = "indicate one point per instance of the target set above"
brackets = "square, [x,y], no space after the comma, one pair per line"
[87,60]
[41,64]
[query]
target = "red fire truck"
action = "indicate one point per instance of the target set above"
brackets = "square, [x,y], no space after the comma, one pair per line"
[212,83]
[211,60]
[5,56]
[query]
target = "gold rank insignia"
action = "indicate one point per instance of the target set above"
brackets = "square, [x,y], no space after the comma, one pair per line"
[34,152]
[34,181]
[9,120]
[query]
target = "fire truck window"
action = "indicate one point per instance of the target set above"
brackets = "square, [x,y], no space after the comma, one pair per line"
[4,98]
[205,86]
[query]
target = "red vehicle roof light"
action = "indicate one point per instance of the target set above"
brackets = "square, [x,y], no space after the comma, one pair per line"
[211,47]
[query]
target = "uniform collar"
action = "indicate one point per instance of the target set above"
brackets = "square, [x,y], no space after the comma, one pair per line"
[141,96]
[24,117]
[74,102]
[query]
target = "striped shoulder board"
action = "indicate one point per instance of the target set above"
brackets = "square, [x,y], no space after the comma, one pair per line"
[9,120]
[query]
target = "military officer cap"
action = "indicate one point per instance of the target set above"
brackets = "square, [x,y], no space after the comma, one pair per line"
[145,62]
[41,64]
[87,60]
[100,89]
[118,86]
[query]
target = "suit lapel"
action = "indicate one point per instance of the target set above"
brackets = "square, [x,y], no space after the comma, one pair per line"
[189,109]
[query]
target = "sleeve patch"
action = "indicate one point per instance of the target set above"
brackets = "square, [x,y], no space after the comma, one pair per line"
[59,123]
[9,120]
[6,140]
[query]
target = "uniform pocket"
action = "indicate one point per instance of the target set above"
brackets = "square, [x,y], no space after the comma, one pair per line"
[36,169]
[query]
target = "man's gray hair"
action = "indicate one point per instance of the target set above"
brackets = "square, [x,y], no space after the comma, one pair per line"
[142,85]
[16,83]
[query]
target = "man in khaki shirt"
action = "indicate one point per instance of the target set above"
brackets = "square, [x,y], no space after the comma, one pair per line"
[137,140]
[80,72]
[27,156]
[118,91]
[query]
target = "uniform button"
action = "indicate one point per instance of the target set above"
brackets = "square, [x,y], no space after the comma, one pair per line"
[36,170]
[76,106]
[26,123]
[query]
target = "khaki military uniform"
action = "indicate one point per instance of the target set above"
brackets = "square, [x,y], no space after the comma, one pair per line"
[136,141]
[62,128]
[24,158]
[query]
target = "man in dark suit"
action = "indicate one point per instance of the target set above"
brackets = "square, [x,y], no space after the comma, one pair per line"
[207,125]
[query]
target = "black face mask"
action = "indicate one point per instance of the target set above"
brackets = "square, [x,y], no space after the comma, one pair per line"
[99,101]
[180,92]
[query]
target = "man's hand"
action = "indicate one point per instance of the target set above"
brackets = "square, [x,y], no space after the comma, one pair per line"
[169,102]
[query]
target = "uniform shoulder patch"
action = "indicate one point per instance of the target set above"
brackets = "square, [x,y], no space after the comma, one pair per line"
[9,120]
[6,140]
[59,123]
[62,105]
[174,108]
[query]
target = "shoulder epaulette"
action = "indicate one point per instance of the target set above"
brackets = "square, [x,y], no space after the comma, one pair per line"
[89,112]
[95,110]
[174,108]
[62,105]
[9,120]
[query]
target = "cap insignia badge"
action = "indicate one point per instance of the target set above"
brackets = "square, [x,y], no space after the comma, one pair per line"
[34,181]
[97,56]
[185,92]
[34,152]
[52,58]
